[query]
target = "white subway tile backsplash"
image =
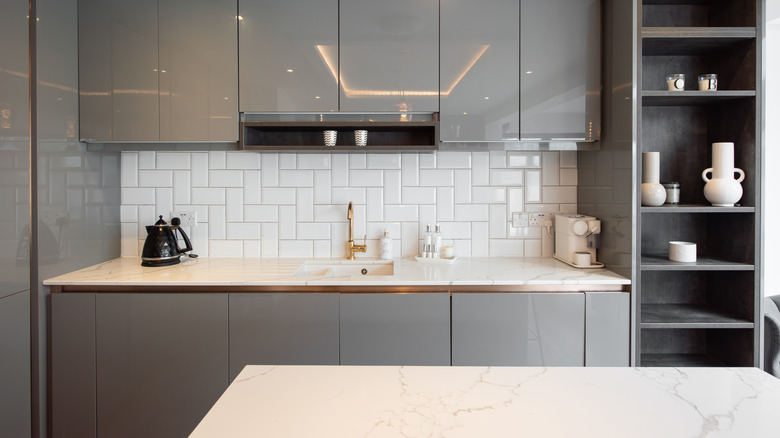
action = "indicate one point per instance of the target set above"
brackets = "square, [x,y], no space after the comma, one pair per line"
[261,213]
[270,170]
[392,186]
[200,169]
[282,196]
[243,231]
[453,160]
[147,160]
[401,213]
[437,178]
[418,195]
[410,169]
[217,159]
[181,187]
[209,196]
[366,178]
[294,205]
[243,161]
[383,161]
[132,195]
[480,168]
[226,178]
[472,212]
[129,177]
[296,178]
[226,248]
[314,161]
[508,177]
[234,204]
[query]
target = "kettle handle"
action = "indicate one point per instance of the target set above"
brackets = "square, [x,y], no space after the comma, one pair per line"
[187,242]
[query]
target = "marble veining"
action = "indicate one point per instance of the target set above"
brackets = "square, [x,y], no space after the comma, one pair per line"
[331,401]
[127,271]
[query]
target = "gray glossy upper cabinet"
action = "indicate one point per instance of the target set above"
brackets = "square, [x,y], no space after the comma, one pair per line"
[607,319]
[15,415]
[560,60]
[162,361]
[517,329]
[395,329]
[289,55]
[283,329]
[389,55]
[154,70]
[480,70]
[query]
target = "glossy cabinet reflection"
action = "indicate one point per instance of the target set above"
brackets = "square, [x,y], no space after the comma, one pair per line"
[289,55]
[607,326]
[283,329]
[560,68]
[162,361]
[389,55]
[395,329]
[15,365]
[154,70]
[480,70]
[518,329]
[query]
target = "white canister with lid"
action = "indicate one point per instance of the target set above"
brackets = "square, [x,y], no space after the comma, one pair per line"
[386,247]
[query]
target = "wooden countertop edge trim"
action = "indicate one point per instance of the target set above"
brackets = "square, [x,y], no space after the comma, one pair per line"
[551,288]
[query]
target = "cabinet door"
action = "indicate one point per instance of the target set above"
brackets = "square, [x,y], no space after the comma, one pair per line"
[15,415]
[118,89]
[389,55]
[72,356]
[560,63]
[283,329]
[198,70]
[162,362]
[518,329]
[395,329]
[607,319]
[480,70]
[276,37]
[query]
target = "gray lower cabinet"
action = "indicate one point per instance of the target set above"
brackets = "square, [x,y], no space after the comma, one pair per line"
[162,361]
[72,371]
[283,329]
[395,329]
[607,330]
[15,416]
[518,329]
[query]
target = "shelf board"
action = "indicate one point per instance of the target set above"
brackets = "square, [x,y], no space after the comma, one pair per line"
[340,148]
[661,262]
[692,97]
[678,360]
[696,208]
[674,316]
[692,40]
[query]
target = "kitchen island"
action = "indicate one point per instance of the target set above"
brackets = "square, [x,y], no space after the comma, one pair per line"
[322,401]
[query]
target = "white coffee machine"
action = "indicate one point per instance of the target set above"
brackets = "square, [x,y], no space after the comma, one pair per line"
[577,237]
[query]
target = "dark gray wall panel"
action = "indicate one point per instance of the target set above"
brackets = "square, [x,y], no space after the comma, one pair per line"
[15,411]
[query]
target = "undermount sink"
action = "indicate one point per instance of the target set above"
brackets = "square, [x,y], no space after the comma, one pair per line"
[345,268]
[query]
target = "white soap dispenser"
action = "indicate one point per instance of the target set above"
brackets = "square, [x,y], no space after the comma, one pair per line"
[386,246]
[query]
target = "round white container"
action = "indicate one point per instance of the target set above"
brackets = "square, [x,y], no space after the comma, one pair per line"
[682,251]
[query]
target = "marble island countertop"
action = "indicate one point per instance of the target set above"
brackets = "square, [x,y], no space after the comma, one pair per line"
[536,273]
[323,401]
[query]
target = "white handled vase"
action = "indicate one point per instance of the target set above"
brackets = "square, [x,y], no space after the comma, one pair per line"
[722,190]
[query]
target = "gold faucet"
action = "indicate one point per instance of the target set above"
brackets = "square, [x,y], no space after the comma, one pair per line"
[352,247]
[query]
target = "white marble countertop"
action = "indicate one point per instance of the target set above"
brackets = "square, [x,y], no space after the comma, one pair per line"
[332,401]
[512,271]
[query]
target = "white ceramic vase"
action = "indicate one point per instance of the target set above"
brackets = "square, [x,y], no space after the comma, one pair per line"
[722,190]
[653,193]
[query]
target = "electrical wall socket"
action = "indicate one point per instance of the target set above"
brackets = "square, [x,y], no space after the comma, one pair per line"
[187,218]
[536,219]
[519,219]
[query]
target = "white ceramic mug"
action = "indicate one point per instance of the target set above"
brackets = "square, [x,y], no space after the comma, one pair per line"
[682,251]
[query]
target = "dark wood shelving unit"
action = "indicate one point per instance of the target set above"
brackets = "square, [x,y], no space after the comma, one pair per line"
[704,313]
[299,136]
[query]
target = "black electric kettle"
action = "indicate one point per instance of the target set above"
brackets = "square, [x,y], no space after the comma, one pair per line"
[161,247]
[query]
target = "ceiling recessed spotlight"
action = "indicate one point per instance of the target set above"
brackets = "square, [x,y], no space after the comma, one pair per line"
[487,97]
[465,113]
[227,98]
[316,97]
[240,18]
[289,70]
[528,72]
